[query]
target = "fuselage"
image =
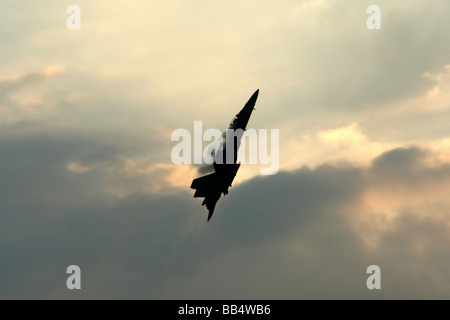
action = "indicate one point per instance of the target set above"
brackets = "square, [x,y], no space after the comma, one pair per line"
[225,168]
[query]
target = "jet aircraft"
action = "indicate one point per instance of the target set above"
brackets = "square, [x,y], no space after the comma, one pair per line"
[212,186]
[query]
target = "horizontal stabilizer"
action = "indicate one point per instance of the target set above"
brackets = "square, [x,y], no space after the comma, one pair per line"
[204,185]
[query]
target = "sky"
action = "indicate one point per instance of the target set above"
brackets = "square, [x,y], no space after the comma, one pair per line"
[86,176]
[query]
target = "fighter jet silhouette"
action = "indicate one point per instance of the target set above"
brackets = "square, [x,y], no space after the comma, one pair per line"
[212,186]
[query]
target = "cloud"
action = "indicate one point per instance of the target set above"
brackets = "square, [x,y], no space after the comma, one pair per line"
[28,96]
[419,119]
[9,85]
[346,135]
[308,233]
[76,167]
[344,145]
[307,57]
[85,167]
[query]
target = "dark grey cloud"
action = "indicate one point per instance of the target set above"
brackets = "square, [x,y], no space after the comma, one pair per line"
[40,158]
[407,168]
[283,236]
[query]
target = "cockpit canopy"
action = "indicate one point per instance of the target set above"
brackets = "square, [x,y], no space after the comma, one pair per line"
[234,119]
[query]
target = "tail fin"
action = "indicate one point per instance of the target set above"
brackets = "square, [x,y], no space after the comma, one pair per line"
[204,185]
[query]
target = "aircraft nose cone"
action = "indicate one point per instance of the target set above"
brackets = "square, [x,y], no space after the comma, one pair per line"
[254,97]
